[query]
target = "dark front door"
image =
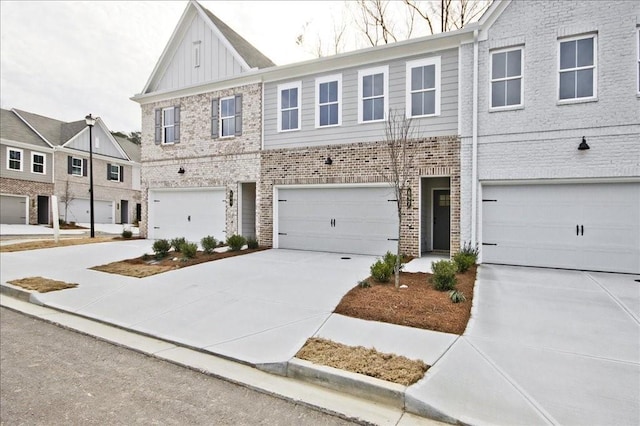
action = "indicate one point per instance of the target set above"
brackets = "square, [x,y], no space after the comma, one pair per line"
[441,219]
[43,210]
[124,211]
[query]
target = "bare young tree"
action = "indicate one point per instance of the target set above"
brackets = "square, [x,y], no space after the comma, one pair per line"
[452,14]
[398,146]
[66,199]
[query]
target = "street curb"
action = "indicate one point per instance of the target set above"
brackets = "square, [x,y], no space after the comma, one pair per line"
[16,292]
[346,382]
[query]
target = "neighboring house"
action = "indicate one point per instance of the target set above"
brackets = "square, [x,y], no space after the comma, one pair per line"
[201,132]
[60,157]
[554,78]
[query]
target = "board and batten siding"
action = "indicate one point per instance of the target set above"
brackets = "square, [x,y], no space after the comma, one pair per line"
[216,61]
[350,131]
[101,143]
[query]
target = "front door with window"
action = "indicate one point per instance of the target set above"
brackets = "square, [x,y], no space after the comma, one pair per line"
[441,219]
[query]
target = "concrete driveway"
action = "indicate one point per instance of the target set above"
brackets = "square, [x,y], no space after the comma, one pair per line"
[544,346]
[257,308]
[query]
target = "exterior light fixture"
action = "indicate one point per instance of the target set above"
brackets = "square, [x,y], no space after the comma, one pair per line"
[409,198]
[181,170]
[231,198]
[583,145]
[91,122]
[328,161]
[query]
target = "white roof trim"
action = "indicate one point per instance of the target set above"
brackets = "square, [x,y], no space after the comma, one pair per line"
[32,128]
[110,137]
[29,146]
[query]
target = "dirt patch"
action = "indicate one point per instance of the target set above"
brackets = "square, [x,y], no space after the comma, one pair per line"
[357,359]
[147,265]
[41,285]
[43,244]
[419,305]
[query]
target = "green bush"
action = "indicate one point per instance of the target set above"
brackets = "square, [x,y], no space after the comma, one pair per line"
[235,242]
[464,261]
[177,243]
[444,275]
[161,248]
[471,251]
[381,271]
[127,234]
[456,296]
[364,284]
[208,244]
[390,259]
[189,250]
[252,243]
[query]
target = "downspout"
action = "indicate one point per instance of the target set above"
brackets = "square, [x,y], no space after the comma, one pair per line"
[474,149]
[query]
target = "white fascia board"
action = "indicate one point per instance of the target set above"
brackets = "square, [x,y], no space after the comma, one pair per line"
[112,138]
[25,145]
[32,128]
[85,154]
[491,16]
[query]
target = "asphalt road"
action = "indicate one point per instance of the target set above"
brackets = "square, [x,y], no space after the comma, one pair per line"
[50,375]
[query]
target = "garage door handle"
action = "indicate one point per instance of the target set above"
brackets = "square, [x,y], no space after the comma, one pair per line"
[577,230]
[581,229]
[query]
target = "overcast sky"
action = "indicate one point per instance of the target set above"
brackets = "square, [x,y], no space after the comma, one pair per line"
[65,59]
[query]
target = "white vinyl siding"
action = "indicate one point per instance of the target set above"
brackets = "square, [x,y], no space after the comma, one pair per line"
[15,158]
[76,167]
[38,163]
[423,87]
[289,96]
[577,68]
[506,78]
[227,117]
[329,101]
[373,94]
[168,123]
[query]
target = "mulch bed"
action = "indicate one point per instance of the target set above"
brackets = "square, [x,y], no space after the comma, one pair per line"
[419,305]
[42,285]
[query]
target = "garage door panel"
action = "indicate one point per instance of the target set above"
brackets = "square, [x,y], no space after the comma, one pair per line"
[79,211]
[13,210]
[535,225]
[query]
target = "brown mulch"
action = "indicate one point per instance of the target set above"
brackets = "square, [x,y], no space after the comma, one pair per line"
[357,359]
[41,285]
[50,243]
[419,306]
[147,265]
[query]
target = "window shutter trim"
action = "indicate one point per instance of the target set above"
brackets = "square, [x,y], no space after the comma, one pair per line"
[121,173]
[238,115]
[176,126]
[108,171]
[158,136]
[69,165]
[84,167]
[214,117]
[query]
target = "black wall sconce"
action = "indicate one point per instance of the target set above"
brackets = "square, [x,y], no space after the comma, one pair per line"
[409,198]
[231,198]
[181,170]
[328,161]
[583,145]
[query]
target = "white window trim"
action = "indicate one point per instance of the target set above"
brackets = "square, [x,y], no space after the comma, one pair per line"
[164,142]
[111,166]
[281,87]
[81,167]
[491,80]
[328,79]
[434,60]
[44,163]
[231,117]
[594,67]
[9,149]
[370,71]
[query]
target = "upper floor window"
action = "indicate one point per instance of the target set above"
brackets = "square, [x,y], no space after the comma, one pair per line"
[226,116]
[506,78]
[289,106]
[14,159]
[115,172]
[167,125]
[577,68]
[373,88]
[423,87]
[328,100]
[38,163]
[76,166]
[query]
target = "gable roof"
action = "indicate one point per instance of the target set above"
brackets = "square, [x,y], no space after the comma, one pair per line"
[12,128]
[48,128]
[242,51]
[131,149]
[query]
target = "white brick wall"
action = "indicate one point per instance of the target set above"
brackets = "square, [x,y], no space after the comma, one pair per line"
[540,141]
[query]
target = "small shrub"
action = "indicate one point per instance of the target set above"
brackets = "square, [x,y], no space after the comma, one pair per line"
[444,275]
[456,296]
[472,251]
[208,244]
[252,243]
[177,243]
[464,261]
[189,250]
[161,248]
[127,234]
[235,242]
[364,284]
[146,257]
[390,259]
[381,271]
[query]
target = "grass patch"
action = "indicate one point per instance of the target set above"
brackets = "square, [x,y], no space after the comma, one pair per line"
[41,285]
[357,359]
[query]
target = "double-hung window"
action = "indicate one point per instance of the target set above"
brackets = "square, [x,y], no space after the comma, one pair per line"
[577,69]
[14,159]
[113,172]
[423,87]
[328,100]
[373,88]
[167,125]
[289,106]
[38,165]
[76,166]
[506,78]
[228,116]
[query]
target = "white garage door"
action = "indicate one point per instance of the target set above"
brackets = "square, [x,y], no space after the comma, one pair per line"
[360,220]
[188,213]
[578,226]
[13,209]
[79,211]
